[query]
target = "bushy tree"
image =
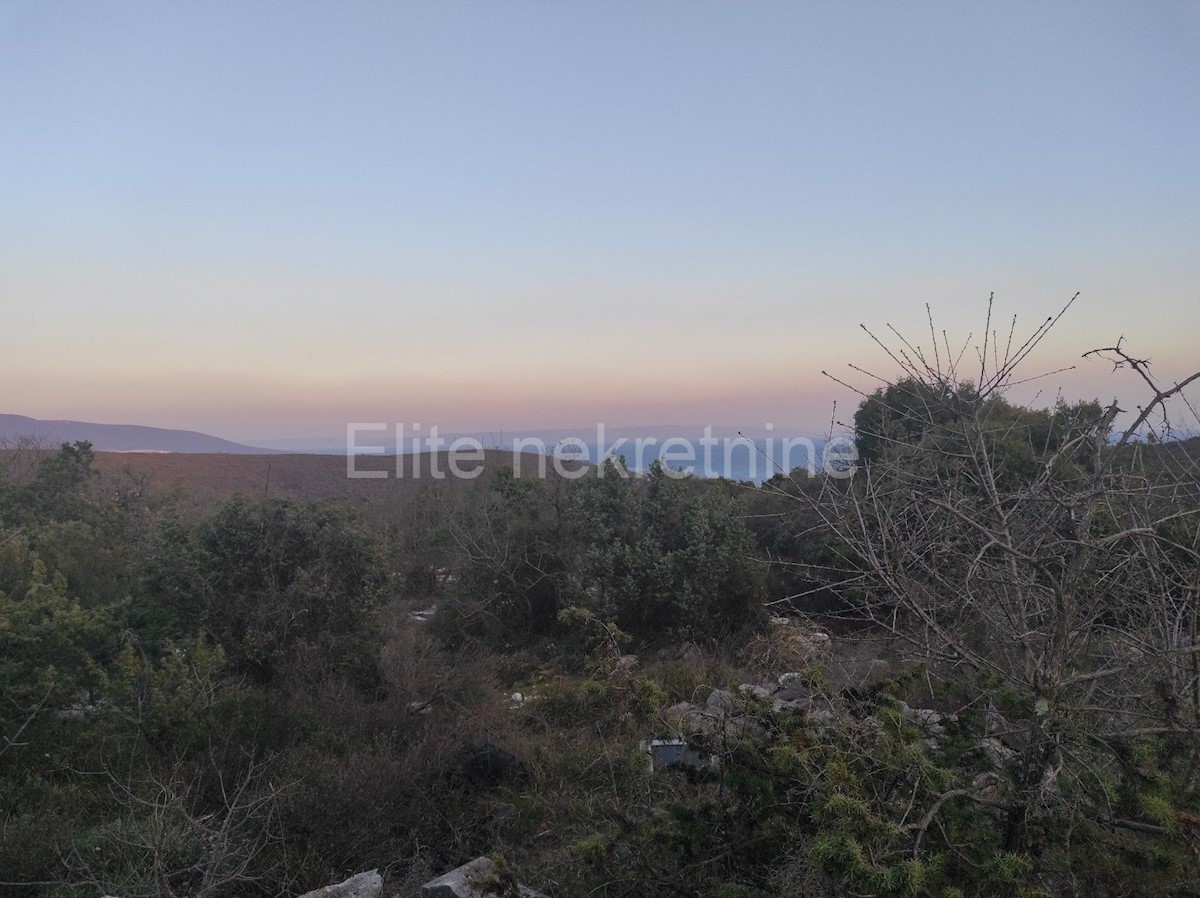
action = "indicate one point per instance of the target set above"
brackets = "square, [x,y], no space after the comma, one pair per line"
[283,582]
[57,489]
[665,558]
[659,557]
[510,560]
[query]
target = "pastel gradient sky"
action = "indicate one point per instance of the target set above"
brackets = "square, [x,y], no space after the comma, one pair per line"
[268,219]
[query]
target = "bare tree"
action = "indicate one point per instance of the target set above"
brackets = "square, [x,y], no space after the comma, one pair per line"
[20,456]
[184,834]
[1070,586]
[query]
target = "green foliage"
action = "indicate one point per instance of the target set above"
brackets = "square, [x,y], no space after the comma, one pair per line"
[284,583]
[904,412]
[664,559]
[606,703]
[134,749]
[584,637]
[511,564]
[52,649]
[909,413]
[593,849]
[57,491]
[658,558]
[154,663]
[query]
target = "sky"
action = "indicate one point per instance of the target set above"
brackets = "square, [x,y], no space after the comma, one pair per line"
[267,219]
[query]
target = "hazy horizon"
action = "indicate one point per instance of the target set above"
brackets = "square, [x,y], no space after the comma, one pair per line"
[266,221]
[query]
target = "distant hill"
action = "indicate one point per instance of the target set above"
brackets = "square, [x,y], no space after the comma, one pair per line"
[120,437]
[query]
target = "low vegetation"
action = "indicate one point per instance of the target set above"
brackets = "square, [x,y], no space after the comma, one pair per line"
[260,695]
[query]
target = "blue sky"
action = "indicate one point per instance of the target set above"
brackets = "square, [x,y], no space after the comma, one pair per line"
[265,219]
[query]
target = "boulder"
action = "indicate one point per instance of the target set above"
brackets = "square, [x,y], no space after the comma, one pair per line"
[723,701]
[753,690]
[463,882]
[364,885]
[792,693]
[474,879]
[789,695]
[678,712]
[998,727]
[726,714]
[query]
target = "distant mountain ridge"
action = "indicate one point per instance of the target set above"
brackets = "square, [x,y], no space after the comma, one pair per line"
[122,437]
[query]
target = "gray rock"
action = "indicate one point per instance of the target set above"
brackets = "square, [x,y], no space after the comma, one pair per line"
[724,715]
[789,697]
[462,882]
[722,700]
[821,718]
[794,693]
[802,705]
[364,885]
[931,721]
[997,753]
[747,727]
[472,880]
[678,711]
[998,727]
[754,691]
[872,726]
[699,722]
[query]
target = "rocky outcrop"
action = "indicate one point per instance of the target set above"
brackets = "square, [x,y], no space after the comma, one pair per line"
[726,714]
[476,879]
[364,885]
